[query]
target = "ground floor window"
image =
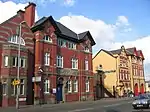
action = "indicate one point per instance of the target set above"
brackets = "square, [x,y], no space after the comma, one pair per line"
[87,86]
[4,86]
[46,86]
[13,88]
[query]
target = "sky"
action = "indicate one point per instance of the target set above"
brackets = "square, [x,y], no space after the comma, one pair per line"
[112,23]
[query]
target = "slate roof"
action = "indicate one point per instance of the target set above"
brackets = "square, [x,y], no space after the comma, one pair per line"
[63,30]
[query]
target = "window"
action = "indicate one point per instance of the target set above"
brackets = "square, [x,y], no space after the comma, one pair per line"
[71,45]
[74,63]
[47,59]
[5,61]
[22,87]
[87,86]
[61,43]
[86,49]
[46,86]
[15,40]
[86,65]
[60,61]
[4,86]
[13,88]
[14,61]
[75,86]
[69,86]
[47,38]
[22,62]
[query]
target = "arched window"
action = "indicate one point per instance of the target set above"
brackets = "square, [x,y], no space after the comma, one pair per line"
[47,38]
[15,40]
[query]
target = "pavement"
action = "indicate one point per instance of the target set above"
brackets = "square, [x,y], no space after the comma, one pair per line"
[103,105]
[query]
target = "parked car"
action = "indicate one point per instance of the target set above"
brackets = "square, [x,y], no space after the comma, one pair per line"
[141,101]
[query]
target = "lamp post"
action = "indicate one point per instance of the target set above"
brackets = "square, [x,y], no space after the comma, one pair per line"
[40,71]
[18,68]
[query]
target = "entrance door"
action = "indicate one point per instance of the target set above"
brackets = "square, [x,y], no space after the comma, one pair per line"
[59,92]
[136,89]
[1,94]
[142,89]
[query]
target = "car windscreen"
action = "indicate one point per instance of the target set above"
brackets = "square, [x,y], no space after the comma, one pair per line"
[143,97]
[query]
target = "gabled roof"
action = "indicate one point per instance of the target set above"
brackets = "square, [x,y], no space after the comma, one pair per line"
[115,51]
[105,52]
[62,30]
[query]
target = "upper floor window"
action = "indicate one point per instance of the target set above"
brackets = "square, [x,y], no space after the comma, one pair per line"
[71,45]
[15,40]
[47,59]
[47,38]
[61,43]
[87,49]
[60,61]
[74,63]
[15,62]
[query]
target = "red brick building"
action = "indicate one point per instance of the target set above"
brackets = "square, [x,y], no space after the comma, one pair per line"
[65,59]
[55,64]
[9,33]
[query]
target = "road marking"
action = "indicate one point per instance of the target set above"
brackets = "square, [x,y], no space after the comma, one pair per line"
[79,110]
[117,104]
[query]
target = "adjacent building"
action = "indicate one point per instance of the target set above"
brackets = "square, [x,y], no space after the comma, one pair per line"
[123,70]
[9,41]
[55,64]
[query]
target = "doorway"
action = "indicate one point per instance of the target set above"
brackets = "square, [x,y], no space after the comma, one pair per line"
[136,89]
[59,91]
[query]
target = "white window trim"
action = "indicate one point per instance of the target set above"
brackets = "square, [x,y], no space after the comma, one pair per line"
[22,83]
[69,87]
[86,65]
[15,62]
[60,58]
[74,61]
[49,39]
[47,59]
[24,61]
[6,61]
[76,85]
[16,38]
[87,83]
[46,85]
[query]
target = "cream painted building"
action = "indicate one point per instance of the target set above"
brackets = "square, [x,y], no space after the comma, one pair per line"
[121,70]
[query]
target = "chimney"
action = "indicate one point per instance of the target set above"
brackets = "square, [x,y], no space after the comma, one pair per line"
[29,16]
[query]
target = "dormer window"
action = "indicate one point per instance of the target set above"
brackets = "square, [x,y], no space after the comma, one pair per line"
[87,49]
[15,40]
[47,38]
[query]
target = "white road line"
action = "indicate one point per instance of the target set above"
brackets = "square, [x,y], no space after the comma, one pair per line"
[117,104]
[79,110]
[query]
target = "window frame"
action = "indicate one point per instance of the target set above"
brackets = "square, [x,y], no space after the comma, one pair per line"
[86,65]
[47,38]
[75,85]
[59,61]
[69,86]
[74,63]
[87,86]
[6,62]
[47,59]
[22,83]
[46,86]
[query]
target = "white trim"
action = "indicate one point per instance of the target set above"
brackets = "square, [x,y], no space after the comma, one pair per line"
[47,59]
[87,85]
[60,61]
[5,61]
[69,86]
[74,63]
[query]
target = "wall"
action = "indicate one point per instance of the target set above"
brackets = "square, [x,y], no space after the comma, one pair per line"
[108,63]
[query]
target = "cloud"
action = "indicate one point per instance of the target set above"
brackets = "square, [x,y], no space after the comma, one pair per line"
[101,31]
[12,8]
[69,2]
[105,34]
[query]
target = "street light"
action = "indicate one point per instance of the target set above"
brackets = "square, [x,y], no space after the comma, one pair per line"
[18,68]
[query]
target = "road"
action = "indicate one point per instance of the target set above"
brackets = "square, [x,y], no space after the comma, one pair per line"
[91,106]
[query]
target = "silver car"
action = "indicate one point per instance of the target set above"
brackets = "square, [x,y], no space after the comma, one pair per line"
[142,101]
